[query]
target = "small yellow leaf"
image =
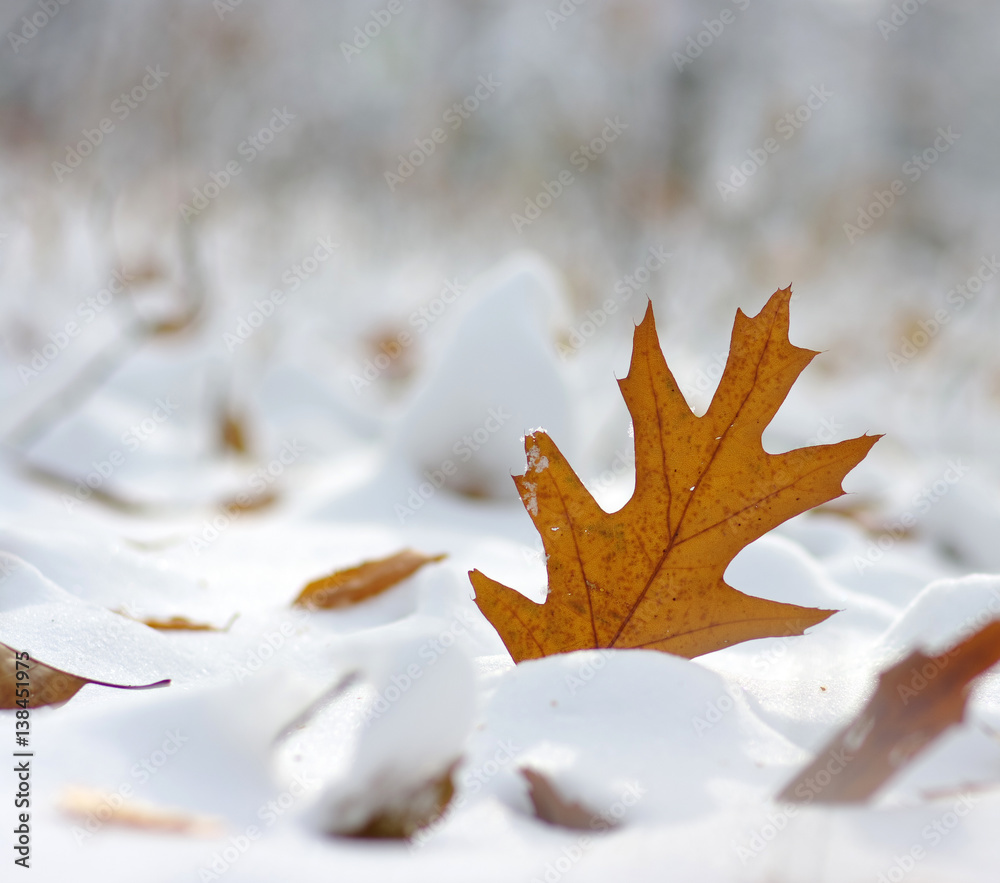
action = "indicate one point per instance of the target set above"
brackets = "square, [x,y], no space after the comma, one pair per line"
[178,623]
[345,587]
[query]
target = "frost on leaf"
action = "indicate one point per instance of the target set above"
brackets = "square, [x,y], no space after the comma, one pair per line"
[651,574]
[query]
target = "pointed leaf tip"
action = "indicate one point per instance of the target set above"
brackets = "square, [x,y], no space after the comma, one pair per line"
[651,574]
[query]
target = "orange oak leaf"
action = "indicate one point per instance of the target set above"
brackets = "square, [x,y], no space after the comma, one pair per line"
[28,683]
[355,584]
[915,702]
[651,574]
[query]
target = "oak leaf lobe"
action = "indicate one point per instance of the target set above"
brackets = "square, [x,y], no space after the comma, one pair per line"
[651,574]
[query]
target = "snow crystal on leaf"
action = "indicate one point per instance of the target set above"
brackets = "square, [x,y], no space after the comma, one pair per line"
[530,497]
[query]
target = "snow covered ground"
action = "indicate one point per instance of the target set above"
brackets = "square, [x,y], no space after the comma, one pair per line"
[365,332]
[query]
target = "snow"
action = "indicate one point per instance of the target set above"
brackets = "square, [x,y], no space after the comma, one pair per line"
[499,355]
[322,715]
[113,483]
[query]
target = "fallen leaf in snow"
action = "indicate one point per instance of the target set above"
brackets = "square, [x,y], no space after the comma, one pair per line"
[179,623]
[398,776]
[46,685]
[104,807]
[233,433]
[552,807]
[401,812]
[364,581]
[183,624]
[650,575]
[324,699]
[915,702]
[247,503]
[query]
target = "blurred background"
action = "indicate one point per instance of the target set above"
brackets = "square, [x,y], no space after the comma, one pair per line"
[166,167]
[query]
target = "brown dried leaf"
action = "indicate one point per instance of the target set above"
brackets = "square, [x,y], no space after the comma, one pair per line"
[183,322]
[233,433]
[246,503]
[345,587]
[651,574]
[46,685]
[915,702]
[403,813]
[109,807]
[178,623]
[552,807]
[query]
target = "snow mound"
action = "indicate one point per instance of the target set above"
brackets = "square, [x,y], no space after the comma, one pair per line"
[497,379]
[58,629]
[944,613]
[576,718]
